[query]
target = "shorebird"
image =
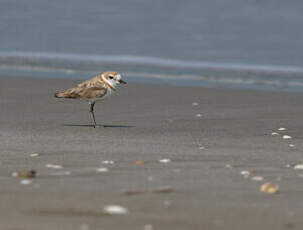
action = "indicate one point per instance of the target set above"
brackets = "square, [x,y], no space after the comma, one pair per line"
[95,89]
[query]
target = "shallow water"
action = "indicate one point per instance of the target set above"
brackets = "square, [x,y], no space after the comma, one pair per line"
[256,33]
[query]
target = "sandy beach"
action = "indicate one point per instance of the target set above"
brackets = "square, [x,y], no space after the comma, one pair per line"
[206,137]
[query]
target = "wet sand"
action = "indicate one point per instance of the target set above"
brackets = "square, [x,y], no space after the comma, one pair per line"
[148,123]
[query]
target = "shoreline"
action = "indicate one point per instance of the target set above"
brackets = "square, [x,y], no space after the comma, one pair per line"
[148,123]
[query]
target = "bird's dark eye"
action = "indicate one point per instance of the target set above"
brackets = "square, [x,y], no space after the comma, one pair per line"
[111,77]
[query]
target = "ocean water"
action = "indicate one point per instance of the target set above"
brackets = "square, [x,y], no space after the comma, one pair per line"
[253,43]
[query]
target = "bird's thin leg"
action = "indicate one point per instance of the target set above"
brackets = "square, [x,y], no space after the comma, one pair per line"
[92,104]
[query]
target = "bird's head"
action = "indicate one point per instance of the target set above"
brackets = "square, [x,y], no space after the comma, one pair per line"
[113,78]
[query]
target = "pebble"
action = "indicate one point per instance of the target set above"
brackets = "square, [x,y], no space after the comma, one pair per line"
[165,160]
[269,188]
[115,210]
[102,169]
[286,137]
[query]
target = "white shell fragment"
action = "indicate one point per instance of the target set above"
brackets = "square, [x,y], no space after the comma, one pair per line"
[245,173]
[286,137]
[34,155]
[165,160]
[281,129]
[102,169]
[108,162]
[25,182]
[195,103]
[201,147]
[291,145]
[298,167]
[274,134]
[115,210]
[53,166]
[257,178]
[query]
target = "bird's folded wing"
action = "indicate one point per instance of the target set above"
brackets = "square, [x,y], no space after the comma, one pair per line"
[84,92]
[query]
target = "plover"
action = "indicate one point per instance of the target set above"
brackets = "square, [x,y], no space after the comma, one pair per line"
[92,90]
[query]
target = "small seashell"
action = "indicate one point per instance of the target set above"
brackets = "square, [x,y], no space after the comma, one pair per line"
[257,178]
[281,129]
[25,182]
[286,137]
[274,134]
[108,162]
[115,210]
[195,103]
[165,160]
[102,169]
[34,155]
[291,145]
[298,167]
[27,174]
[139,162]
[269,188]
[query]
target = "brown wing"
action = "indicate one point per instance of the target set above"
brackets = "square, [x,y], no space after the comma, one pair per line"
[89,89]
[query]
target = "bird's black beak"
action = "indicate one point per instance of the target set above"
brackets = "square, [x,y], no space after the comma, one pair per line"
[122,82]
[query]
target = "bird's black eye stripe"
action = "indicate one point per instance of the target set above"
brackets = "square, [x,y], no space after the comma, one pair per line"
[111,77]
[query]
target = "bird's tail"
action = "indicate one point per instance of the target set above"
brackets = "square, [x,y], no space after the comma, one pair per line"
[59,95]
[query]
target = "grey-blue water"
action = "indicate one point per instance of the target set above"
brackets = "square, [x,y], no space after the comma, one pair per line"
[239,38]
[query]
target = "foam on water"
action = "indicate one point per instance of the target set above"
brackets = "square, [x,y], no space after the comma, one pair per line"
[152,69]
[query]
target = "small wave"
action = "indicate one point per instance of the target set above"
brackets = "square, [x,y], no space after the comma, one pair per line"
[156,68]
[54,60]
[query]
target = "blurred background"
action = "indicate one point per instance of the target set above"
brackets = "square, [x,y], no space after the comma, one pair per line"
[245,44]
